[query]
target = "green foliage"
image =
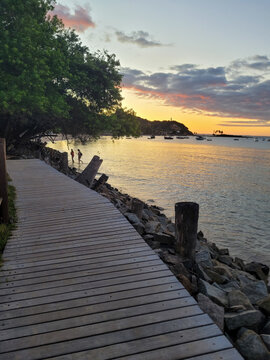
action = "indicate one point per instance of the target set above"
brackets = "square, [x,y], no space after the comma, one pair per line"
[49,81]
[124,122]
[6,229]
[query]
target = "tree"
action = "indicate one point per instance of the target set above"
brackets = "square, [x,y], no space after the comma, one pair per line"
[49,81]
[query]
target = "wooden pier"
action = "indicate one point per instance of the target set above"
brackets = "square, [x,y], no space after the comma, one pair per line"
[78,283]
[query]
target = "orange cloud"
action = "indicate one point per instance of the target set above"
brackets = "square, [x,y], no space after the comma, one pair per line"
[80,20]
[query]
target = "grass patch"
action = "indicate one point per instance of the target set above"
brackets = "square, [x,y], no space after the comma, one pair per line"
[6,229]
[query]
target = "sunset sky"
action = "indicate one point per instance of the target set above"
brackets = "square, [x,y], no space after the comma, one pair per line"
[205,63]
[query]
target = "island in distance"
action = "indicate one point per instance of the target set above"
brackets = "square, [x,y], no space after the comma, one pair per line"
[165,127]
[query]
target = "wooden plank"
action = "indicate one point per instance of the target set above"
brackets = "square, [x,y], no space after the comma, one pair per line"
[97,315]
[76,339]
[229,354]
[115,351]
[60,262]
[183,351]
[83,306]
[27,307]
[46,282]
[84,283]
[9,276]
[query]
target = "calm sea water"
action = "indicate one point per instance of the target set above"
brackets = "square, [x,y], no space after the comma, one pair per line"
[229,179]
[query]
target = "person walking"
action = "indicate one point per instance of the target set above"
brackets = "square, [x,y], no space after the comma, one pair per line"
[79,156]
[72,155]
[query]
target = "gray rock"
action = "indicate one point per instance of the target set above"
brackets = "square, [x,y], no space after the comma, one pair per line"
[139,227]
[169,258]
[226,259]
[215,311]
[260,271]
[252,347]
[132,218]
[223,251]
[264,305]
[145,216]
[266,340]
[201,273]
[148,237]
[163,220]
[215,294]
[230,286]
[236,297]
[236,308]
[203,258]
[255,291]
[239,263]
[164,239]
[171,228]
[152,227]
[216,277]
[251,319]
[266,328]
[223,270]
[148,213]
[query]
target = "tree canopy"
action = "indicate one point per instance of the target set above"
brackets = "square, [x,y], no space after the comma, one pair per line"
[50,82]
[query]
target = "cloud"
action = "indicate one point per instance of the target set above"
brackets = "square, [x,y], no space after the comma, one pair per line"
[140,38]
[215,91]
[79,20]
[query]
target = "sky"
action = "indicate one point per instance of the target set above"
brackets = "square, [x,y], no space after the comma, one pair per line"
[205,63]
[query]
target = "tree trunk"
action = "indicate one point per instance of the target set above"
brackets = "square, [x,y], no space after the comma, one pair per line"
[88,175]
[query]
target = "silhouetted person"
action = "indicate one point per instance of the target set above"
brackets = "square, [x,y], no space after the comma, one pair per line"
[79,156]
[72,155]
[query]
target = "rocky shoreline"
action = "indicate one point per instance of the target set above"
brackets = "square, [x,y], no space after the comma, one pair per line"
[234,293]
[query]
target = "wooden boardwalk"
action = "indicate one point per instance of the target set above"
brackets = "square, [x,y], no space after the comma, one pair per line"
[78,282]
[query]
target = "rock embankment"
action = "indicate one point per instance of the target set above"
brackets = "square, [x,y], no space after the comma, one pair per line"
[234,293]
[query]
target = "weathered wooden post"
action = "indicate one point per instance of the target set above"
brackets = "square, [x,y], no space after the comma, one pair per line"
[3,182]
[88,175]
[101,181]
[186,225]
[137,207]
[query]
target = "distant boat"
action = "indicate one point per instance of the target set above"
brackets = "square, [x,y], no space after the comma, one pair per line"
[181,137]
[236,139]
[168,137]
[152,137]
[199,137]
[208,139]
[268,139]
[256,139]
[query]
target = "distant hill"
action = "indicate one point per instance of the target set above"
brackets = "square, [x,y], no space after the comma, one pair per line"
[165,127]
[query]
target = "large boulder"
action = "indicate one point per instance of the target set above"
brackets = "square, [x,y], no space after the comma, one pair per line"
[264,305]
[251,319]
[215,311]
[152,227]
[255,291]
[203,258]
[236,297]
[215,276]
[252,347]
[164,239]
[266,340]
[259,270]
[132,218]
[217,295]
[139,227]
[266,328]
